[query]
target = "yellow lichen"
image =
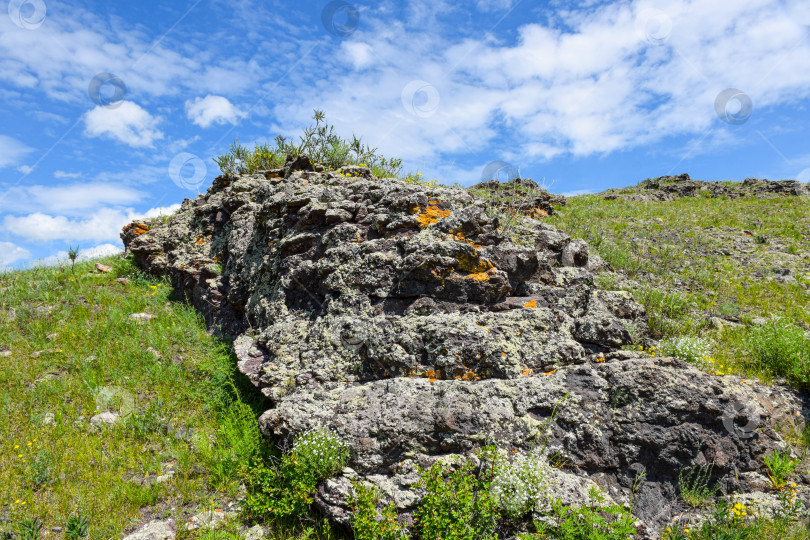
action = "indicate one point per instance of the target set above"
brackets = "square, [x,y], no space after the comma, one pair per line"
[431,214]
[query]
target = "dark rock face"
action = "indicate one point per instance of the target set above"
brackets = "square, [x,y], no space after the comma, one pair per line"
[668,188]
[404,319]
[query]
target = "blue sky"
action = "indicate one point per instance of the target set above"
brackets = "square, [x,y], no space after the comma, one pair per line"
[113,110]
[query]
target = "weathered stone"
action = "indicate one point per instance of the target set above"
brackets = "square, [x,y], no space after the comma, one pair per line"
[105,418]
[154,530]
[403,318]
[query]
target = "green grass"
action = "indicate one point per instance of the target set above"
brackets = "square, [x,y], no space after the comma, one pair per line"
[695,258]
[75,352]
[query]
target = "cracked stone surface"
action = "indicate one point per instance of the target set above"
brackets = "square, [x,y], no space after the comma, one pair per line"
[408,321]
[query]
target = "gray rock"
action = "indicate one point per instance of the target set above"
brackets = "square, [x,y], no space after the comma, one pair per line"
[575,253]
[154,530]
[409,322]
[142,317]
[105,418]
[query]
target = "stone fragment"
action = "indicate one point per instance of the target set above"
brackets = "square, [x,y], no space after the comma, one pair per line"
[105,418]
[154,530]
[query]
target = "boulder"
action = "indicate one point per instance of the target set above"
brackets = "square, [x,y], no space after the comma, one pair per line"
[409,321]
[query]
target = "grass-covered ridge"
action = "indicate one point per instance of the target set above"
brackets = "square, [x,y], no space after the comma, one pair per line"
[732,271]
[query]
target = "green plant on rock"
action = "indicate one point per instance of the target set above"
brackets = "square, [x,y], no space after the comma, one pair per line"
[458,504]
[283,487]
[521,485]
[693,485]
[367,522]
[780,466]
[594,521]
[320,142]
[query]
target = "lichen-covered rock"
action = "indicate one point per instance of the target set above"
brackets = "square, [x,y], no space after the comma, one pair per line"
[405,319]
[669,188]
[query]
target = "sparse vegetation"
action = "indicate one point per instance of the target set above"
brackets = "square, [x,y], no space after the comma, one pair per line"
[319,142]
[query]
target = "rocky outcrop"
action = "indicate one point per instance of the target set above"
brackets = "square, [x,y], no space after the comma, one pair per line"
[668,188]
[405,319]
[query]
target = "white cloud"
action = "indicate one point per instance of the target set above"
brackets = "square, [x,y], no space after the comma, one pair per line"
[127,123]
[69,199]
[63,174]
[12,151]
[587,82]
[103,226]
[10,253]
[212,110]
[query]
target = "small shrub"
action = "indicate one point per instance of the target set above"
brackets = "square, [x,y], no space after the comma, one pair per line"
[521,485]
[693,484]
[282,488]
[457,505]
[367,522]
[590,522]
[780,467]
[322,452]
[319,142]
[687,348]
[782,348]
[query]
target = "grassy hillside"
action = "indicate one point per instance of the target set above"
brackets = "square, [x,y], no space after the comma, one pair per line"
[70,350]
[734,272]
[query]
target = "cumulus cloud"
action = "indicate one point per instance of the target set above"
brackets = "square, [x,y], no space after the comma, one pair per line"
[10,253]
[103,226]
[127,123]
[12,151]
[212,110]
[592,78]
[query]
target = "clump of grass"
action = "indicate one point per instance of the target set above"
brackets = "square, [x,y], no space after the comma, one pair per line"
[783,348]
[780,466]
[693,484]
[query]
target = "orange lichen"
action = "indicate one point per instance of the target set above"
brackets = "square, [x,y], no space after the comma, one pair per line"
[458,236]
[526,372]
[480,276]
[203,239]
[552,372]
[431,214]
[472,263]
[531,304]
